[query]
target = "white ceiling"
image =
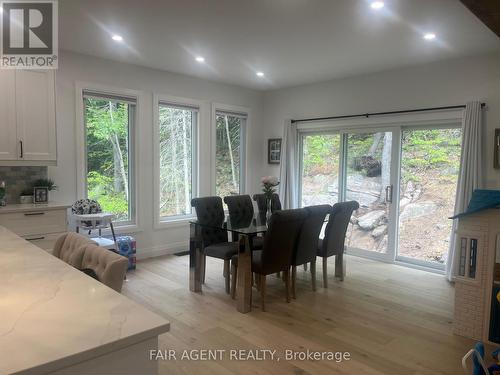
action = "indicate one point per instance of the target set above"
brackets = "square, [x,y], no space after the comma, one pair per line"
[292,41]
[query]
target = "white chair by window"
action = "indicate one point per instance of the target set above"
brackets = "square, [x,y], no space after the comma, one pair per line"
[87,215]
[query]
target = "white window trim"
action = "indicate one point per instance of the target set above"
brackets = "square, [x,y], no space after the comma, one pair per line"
[81,162]
[178,220]
[244,143]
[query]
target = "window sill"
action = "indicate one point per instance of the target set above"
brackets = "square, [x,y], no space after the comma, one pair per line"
[174,222]
[123,229]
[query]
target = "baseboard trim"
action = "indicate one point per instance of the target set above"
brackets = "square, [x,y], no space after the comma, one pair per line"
[157,251]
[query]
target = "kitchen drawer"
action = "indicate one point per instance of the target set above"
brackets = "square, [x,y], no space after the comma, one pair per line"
[44,241]
[28,223]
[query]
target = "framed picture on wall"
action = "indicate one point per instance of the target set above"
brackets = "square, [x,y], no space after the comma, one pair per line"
[274,151]
[496,160]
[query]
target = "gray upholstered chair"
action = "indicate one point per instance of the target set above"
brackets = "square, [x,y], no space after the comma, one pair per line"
[209,210]
[83,253]
[241,213]
[262,202]
[334,241]
[109,267]
[307,246]
[69,247]
[279,245]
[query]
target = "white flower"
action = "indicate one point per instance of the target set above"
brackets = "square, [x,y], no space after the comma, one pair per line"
[270,180]
[273,180]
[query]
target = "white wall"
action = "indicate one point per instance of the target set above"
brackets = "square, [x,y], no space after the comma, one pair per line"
[444,83]
[75,67]
[438,84]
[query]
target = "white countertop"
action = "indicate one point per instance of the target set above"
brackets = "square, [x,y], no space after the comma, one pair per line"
[52,315]
[32,207]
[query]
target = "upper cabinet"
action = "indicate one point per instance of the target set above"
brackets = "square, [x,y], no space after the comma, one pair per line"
[27,116]
[8,138]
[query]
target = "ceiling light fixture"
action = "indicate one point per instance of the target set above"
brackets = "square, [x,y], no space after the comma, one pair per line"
[377,5]
[200,59]
[117,38]
[260,74]
[429,36]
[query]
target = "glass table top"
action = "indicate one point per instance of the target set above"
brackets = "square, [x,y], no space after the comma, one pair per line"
[248,225]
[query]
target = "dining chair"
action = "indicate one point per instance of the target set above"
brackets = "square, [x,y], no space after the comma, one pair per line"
[262,202]
[334,241]
[209,210]
[241,212]
[307,245]
[280,241]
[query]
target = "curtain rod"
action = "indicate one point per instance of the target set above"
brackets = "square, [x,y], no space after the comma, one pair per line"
[384,113]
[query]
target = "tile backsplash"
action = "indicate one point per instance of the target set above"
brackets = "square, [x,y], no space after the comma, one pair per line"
[19,178]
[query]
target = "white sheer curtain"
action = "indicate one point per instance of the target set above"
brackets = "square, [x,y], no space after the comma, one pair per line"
[288,188]
[470,175]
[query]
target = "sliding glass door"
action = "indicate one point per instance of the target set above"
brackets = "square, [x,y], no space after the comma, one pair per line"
[404,180]
[430,162]
[369,180]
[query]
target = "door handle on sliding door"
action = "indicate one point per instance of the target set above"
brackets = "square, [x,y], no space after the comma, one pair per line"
[388,193]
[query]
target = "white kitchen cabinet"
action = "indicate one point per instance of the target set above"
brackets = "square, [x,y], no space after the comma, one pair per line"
[28,97]
[8,137]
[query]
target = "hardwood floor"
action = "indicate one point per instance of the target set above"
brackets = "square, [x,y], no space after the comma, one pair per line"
[391,319]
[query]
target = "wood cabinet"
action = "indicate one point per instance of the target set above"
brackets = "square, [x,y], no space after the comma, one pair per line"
[27,116]
[41,225]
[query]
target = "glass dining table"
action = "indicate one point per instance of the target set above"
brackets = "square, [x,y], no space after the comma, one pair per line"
[244,229]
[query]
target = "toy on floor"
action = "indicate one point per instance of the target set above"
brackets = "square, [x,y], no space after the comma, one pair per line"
[478,365]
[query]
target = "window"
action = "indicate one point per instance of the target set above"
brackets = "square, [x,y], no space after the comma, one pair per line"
[177,159]
[109,124]
[319,177]
[229,156]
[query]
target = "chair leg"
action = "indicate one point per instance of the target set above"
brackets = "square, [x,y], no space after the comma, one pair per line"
[263,292]
[339,266]
[203,267]
[325,273]
[226,276]
[287,284]
[234,276]
[313,275]
[257,281]
[294,279]
[305,267]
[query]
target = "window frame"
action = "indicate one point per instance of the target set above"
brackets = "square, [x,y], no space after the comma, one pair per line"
[158,100]
[237,110]
[131,225]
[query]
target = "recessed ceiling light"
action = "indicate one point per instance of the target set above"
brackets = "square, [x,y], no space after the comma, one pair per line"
[260,74]
[429,36]
[200,59]
[377,5]
[117,38]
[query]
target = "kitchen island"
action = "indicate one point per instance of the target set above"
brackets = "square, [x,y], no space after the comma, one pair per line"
[57,320]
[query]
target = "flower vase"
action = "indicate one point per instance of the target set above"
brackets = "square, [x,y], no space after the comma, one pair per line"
[268,212]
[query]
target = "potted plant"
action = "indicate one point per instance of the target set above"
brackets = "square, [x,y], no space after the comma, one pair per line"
[44,183]
[26,196]
[269,184]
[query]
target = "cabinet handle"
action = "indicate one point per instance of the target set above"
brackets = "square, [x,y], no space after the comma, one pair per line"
[35,239]
[34,213]
[22,151]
